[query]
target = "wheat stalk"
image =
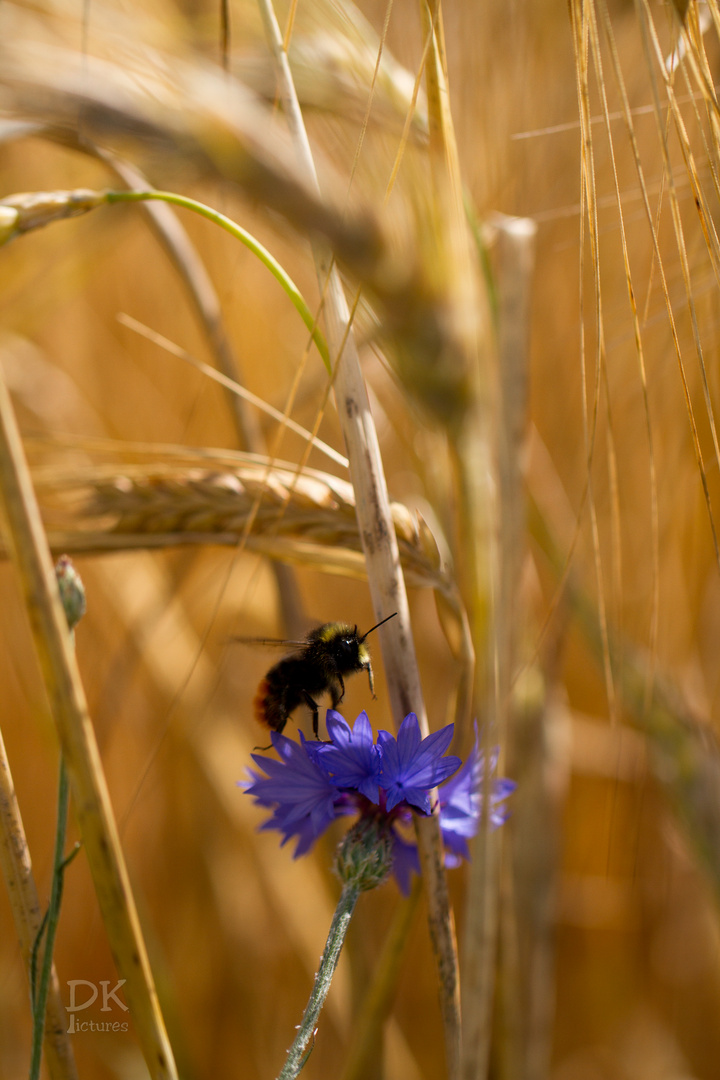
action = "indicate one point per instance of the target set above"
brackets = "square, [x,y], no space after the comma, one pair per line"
[26,541]
[376,528]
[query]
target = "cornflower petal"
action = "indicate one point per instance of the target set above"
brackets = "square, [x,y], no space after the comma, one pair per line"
[461,801]
[502,788]
[499,813]
[352,761]
[408,737]
[406,862]
[340,731]
[456,849]
[411,766]
[303,829]
[295,784]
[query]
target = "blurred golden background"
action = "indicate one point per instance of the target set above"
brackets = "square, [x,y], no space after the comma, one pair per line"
[612,969]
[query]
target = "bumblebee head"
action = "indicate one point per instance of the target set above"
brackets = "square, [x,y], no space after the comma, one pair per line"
[345,645]
[349,650]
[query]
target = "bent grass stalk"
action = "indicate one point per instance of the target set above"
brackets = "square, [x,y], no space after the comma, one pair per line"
[204,298]
[22,212]
[246,238]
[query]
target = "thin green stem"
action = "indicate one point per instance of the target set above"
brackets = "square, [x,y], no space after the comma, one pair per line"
[50,924]
[370,1018]
[34,957]
[230,226]
[298,1053]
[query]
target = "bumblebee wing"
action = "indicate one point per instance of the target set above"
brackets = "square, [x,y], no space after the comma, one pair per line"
[278,642]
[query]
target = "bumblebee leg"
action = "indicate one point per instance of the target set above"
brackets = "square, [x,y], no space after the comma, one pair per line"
[371,680]
[313,706]
[337,692]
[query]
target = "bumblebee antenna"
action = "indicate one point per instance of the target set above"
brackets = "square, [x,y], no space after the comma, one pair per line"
[378,624]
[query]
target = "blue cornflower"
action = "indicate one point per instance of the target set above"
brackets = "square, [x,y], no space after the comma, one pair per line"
[313,783]
[410,768]
[460,804]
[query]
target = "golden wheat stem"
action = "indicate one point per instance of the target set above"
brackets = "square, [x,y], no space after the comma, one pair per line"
[368,479]
[205,300]
[466,418]
[380,547]
[28,546]
[512,250]
[191,268]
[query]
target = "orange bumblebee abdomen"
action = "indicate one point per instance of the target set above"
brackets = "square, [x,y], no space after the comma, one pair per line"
[260,703]
[270,704]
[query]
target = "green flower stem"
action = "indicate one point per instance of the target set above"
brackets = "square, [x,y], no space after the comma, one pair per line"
[298,1053]
[50,924]
[250,242]
[72,594]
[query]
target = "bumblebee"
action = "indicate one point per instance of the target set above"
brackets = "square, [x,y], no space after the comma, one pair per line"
[318,665]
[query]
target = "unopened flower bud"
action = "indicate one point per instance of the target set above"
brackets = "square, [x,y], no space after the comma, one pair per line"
[72,590]
[364,858]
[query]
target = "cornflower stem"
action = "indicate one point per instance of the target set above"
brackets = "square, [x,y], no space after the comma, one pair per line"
[298,1054]
[39,990]
[375,1008]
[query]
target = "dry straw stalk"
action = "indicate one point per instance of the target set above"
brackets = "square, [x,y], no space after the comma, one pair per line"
[29,549]
[380,549]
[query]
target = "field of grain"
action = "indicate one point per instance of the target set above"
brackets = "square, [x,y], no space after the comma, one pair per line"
[464,253]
